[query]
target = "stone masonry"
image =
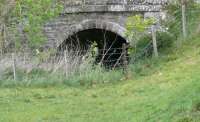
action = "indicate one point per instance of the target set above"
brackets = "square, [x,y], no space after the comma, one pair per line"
[111,15]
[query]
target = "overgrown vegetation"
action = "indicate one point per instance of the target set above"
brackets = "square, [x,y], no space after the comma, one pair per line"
[162,89]
[174,22]
[88,74]
[23,20]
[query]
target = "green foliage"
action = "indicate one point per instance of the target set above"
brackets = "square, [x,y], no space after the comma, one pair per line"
[41,78]
[32,14]
[168,91]
[44,55]
[4,13]
[36,77]
[164,89]
[136,26]
[174,21]
[164,40]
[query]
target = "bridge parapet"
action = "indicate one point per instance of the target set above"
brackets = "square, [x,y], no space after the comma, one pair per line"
[109,15]
[88,6]
[114,2]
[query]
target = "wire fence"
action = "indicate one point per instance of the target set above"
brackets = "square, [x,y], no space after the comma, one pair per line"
[38,60]
[70,63]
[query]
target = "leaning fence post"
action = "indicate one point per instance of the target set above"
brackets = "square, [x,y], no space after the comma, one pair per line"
[155,48]
[124,58]
[65,62]
[183,7]
[14,65]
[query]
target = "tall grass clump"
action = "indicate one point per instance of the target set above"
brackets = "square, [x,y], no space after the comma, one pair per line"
[73,68]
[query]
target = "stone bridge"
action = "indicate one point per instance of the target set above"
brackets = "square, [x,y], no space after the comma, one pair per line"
[103,21]
[92,16]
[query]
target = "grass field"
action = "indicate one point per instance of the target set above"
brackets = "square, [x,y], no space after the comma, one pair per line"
[169,92]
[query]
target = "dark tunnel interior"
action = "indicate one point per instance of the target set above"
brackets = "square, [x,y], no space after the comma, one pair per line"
[107,43]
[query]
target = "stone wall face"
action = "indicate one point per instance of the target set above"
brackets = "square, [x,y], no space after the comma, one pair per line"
[58,30]
[110,15]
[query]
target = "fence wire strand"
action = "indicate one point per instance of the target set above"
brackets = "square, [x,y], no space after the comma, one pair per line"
[77,59]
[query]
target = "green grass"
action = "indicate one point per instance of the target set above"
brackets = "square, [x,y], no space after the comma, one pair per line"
[161,90]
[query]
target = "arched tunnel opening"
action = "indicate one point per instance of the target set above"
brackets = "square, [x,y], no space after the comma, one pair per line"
[105,46]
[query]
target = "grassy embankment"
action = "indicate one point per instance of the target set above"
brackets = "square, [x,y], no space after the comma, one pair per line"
[163,90]
[160,90]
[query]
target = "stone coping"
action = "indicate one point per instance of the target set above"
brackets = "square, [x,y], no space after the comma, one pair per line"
[111,8]
[114,2]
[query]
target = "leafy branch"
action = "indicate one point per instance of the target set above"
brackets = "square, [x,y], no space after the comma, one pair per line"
[32,14]
[136,27]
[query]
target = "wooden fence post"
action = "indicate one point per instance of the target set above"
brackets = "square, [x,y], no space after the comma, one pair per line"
[124,58]
[65,62]
[155,48]
[183,7]
[14,65]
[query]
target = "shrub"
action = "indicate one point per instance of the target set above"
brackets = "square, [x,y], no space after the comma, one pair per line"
[144,46]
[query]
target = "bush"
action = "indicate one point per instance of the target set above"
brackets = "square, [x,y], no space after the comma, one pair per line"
[145,48]
[165,40]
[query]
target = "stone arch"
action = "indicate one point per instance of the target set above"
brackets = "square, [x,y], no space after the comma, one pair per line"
[93,24]
[111,37]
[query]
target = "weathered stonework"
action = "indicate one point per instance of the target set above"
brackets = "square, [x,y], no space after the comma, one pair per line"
[109,15]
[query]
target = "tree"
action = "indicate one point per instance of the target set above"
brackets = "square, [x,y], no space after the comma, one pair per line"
[30,16]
